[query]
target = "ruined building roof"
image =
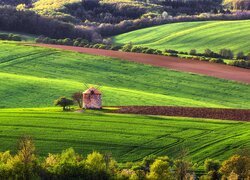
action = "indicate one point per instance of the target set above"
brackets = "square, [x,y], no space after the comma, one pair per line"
[92,90]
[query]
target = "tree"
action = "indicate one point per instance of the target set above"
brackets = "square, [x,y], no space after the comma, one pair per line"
[240,55]
[227,53]
[24,164]
[239,164]
[77,97]
[212,168]
[160,170]
[182,168]
[96,165]
[64,102]
[192,52]
[127,47]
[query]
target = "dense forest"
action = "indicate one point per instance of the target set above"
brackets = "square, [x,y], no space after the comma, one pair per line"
[95,19]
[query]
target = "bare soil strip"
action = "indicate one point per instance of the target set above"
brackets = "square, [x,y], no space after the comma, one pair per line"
[186,65]
[210,113]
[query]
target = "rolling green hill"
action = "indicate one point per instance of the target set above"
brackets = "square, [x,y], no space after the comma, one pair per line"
[35,77]
[128,137]
[185,36]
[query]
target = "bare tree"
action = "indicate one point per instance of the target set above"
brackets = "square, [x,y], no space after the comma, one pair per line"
[77,97]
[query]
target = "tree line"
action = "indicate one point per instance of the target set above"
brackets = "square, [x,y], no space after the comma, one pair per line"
[12,19]
[27,165]
[240,59]
[26,21]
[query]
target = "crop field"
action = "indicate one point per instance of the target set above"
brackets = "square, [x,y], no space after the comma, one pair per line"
[35,77]
[185,36]
[127,137]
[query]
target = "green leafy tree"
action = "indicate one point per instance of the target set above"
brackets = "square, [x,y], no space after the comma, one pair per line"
[64,102]
[127,47]
[25,165]
[160,170]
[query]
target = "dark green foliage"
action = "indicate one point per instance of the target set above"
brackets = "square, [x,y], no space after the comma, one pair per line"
[32,23]
[240,56]
[227,53]
[10,37]
[192,52]
[210,53]
[64,102]
[172,51]
[217,61]
[240,63]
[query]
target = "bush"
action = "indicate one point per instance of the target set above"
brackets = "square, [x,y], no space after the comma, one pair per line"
[240,56]
[10,37]
[115,48]
[221,61]
[127,47]
[227,53]
[192,52]
[248,56]
[240,63]
[173,55]
[171,51]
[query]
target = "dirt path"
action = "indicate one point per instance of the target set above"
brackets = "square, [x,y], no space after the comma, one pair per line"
[186,65]
[210,113]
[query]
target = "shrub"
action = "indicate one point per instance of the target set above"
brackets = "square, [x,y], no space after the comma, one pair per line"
[217,61]
[240,63]
[127,47]
[240,55]
[4,36]
[76,43]
[67,41]
[173,55]
[15,37]
[227,53]
[248,56]
[171,51]
[192,52]
[115,48]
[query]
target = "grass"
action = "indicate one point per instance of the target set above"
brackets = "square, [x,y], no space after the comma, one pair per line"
[185,36]
[35,77]
[127,137]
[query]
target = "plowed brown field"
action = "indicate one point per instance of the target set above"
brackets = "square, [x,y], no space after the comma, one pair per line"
[193,66]
[210,113]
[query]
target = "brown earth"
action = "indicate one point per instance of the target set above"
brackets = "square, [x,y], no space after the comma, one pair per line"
[187,65]
[210,113]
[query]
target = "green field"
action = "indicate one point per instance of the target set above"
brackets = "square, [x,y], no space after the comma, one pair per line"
[127,137]
[35,77]
[185,36]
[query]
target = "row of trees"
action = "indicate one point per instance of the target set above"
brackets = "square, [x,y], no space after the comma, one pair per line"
[223,53]
[10,37]
[27,165]
[242,60]
[65,103]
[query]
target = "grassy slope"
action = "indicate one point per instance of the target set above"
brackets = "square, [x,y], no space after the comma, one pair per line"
[128,137]
[193,35]
[34,77]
